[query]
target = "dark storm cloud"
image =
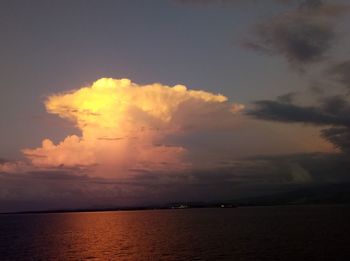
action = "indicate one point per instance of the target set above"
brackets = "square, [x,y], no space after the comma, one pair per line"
[275,173]
[329,113]
[339,136]
[299,40]
[57,189]
[287,98]
[261,175]
[302,36]
[335,105]
[321,167]
[246,173]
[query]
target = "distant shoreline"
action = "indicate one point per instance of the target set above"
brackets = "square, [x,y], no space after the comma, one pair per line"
[58,211]
[117,209]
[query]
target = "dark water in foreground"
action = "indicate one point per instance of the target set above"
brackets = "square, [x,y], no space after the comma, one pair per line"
[254,233]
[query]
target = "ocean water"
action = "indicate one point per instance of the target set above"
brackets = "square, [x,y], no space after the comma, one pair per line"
[249,233]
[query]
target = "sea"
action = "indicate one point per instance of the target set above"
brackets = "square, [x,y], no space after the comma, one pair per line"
[319,232]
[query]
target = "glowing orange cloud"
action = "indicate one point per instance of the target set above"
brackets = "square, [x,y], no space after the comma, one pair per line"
[124,125]
[14,167]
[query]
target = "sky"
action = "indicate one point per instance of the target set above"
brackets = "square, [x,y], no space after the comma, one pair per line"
[115,103]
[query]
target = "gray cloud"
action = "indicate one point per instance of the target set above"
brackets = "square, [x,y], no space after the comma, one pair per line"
[287,98]
[320,167]
[56,189]
[340,137]
[333,111]
[341,72]
[330,111]
[302,36]
[249,177]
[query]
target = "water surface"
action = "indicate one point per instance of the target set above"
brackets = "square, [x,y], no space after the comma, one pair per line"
[250,233]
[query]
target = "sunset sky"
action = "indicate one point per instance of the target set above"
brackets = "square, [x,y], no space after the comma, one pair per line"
[114,103]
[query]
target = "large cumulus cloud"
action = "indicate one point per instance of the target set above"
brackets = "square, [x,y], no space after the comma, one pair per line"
[125,126]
